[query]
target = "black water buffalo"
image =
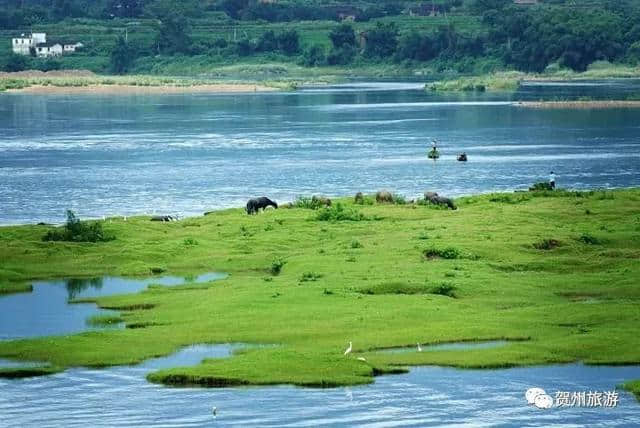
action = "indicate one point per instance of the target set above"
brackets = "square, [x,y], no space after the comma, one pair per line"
[164,218]
[255,204]
[439,200]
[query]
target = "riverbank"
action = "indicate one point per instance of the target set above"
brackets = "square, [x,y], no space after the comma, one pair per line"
[83,82]
[509,81]
[577,104]
[553,273]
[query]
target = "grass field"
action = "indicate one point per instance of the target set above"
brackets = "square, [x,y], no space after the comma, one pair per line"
[557,273]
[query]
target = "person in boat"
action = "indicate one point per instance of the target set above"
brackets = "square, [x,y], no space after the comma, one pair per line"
[462,157]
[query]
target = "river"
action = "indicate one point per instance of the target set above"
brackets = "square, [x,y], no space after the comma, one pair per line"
[186,154]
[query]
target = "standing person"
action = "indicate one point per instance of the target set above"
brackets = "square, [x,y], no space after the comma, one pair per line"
[433,145]
[552,180]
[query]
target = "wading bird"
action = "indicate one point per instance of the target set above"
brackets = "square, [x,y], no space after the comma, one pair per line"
[348,351]
[419,348]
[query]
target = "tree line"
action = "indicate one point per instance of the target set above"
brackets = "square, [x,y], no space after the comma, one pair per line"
[523,38]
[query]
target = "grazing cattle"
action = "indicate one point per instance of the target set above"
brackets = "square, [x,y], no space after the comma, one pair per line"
[384,196]
[164,218]
[439,200]
[256,204]
[359,198]
[322,201]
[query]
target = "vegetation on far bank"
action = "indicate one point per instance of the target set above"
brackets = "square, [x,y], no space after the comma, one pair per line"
[556,272]
[509,81]
[9,81]
[444,37]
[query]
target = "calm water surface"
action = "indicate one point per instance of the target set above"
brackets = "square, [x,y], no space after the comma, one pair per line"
[46,311]
[186,154]
[106,155]
[427,396]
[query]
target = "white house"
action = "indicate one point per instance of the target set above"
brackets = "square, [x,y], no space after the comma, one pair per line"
[45,50]
[72,47]
[37,44]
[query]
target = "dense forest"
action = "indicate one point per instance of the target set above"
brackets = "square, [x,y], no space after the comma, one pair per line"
[462,35]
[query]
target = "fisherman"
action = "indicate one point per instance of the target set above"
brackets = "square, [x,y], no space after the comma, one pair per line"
[552,180]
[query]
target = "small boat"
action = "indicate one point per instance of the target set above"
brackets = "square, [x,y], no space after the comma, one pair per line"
[462,157]
[433,154]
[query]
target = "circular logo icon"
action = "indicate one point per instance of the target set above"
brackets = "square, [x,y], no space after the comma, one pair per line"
[543,401]
[532,393]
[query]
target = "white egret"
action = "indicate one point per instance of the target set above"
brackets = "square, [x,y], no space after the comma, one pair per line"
[419,348]
[362,359]
[348,351]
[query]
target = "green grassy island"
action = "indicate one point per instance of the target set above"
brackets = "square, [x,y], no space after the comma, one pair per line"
[555,273]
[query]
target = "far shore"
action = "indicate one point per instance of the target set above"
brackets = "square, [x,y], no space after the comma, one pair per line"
[585,104]
[136,89]
[86,82]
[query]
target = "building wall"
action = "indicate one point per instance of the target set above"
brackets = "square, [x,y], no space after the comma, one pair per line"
[39,38]
[21,45]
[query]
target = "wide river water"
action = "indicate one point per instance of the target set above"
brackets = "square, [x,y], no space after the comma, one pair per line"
[186,154]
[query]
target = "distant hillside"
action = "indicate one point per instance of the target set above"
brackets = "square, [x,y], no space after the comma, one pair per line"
[194,37]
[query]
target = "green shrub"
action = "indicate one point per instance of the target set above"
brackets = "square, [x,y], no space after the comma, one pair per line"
[310,276]
[338,212]
[103,320]
[444,289]
[394,287]
[546,244]
[399,199]
[312,203]
[428,203]
[448,253]
[276,266]
[540,186]
[356,244]
[78,231]
[588,239]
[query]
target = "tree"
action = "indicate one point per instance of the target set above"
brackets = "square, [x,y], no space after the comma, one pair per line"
[244,47]
[125,8]
[341,56]
[342,35]
[382,40]
[268,42]
[233,8]
[121,57]
[314,56]
[289,42]
[15,62]
[173,35]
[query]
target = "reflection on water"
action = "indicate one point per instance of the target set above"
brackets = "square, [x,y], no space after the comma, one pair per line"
[46,311]
[76,286]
